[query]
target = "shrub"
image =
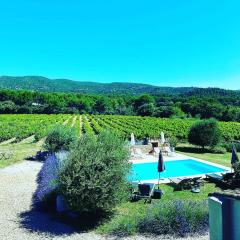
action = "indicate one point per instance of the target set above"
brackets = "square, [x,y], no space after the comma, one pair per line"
[60,138]
[175,218]
[228,146]
[124,226]
[218,150]
[205,133]
[94,178]
[173,141]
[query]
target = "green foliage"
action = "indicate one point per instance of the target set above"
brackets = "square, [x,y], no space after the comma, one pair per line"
[169,111]
[94,179]
[228,146]
[218,150]
[205,133]
[25,125]
[176,218]
[38,83]
[87,128]
[61,138]
[61,96]
[173,141]
[143,99]
[172,217]
[147,109]
[8,107]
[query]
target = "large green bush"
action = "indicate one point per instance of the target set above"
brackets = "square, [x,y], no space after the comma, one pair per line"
[94,179]
[61,138]
[205,133]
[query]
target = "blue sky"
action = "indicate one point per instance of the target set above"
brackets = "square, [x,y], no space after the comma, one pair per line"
[166,43]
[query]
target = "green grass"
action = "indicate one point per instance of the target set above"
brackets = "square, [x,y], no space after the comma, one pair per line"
[128,214]
[170,194]
[223,159]
[21,151]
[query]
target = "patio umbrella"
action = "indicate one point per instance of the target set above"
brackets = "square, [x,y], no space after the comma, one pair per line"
[235,158]
[162,138]
[133,142]
[161,166]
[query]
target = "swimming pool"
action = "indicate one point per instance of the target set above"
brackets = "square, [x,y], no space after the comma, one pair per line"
[175,168]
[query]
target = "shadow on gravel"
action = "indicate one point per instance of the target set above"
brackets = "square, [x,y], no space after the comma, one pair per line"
[36,220]
[40,156]
[44,221]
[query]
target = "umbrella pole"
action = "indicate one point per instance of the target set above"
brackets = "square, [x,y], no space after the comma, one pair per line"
[158,180]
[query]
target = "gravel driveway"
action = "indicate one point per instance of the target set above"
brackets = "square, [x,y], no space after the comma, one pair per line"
[17,218]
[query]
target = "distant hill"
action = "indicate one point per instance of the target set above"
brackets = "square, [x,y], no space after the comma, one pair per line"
[42,84]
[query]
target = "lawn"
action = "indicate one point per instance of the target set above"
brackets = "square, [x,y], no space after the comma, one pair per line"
[20,151]
[223,159]
[128,214]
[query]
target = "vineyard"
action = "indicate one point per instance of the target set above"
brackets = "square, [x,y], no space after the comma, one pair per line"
[19,127]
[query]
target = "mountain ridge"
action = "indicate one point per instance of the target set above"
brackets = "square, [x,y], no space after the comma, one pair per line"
[44,84]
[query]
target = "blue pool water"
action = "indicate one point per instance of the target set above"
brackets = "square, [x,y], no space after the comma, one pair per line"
[188,167]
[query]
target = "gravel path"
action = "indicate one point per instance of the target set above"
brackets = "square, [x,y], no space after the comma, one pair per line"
[17,218]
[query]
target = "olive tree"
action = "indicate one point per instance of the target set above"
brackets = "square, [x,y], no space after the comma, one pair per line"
[94,178]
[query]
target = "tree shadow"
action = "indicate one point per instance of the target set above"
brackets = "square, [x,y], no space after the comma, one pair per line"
[41,220]
[193,150]
[40,156]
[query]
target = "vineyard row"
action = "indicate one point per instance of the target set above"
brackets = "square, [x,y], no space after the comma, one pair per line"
[19,127]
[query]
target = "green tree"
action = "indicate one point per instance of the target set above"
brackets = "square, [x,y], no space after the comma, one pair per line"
[61,138]
[103,105]
[94,178]
[169,111]
[211,110]
[146,109]
[8,107]
[205,133]
[143,99]
[231,114]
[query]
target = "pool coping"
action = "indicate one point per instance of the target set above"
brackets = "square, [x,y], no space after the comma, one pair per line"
[178,157]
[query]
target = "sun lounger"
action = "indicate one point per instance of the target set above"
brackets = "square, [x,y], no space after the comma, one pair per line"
[139,153]
[145,191]
[224,180]
[220,177]
[156,150]
[186,183]
[166,150]
[214,177]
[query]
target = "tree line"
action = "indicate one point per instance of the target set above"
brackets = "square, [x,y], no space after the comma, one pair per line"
[224,108]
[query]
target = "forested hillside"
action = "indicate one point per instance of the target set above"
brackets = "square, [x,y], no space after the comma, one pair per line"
[225,108]
[42,84]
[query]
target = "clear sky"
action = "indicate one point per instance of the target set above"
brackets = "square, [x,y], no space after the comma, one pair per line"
[161,42]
